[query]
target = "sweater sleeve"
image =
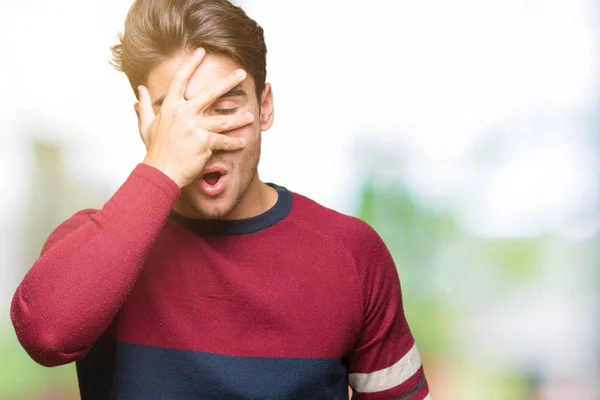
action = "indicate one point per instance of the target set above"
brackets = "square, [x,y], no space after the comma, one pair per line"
[385,363]
[88,266]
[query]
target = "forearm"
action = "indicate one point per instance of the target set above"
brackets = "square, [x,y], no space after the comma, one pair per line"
[72,293]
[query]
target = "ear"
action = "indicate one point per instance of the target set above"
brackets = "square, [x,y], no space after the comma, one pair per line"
[267,111]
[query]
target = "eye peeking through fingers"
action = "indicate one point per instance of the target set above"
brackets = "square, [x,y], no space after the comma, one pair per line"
[230,103]
[225,111]
[225,107]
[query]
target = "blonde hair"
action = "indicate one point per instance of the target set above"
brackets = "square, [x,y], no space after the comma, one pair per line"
[156,30]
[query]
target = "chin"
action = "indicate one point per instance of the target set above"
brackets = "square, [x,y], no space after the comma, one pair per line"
[212,212]
[212,208]
[197,204]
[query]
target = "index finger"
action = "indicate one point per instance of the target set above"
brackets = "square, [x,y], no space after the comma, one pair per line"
[182,76]
[210,93]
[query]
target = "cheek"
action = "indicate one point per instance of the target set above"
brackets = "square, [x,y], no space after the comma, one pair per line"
[248,157]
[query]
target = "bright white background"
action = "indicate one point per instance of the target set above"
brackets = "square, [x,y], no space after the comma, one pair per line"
[428,79]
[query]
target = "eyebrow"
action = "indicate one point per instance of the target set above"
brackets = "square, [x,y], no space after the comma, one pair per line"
[235,92]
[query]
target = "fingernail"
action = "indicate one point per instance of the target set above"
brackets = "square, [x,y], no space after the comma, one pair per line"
[243,141]
[240,73]
[199,52]
[249,116]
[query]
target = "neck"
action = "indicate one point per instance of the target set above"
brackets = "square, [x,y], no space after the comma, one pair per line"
[258,198]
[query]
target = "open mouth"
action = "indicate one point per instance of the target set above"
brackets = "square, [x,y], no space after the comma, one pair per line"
[212,183]
[212,178]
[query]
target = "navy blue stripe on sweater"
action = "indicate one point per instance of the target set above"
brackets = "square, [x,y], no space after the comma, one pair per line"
[148,372]
[96,370]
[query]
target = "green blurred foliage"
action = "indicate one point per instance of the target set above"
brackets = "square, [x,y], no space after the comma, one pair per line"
[23,379]
[444,270]
[415,237]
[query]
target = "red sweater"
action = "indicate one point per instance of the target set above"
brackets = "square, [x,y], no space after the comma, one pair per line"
[297,302]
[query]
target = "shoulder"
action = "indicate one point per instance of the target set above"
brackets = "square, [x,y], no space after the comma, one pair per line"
[351,233]
[355,243]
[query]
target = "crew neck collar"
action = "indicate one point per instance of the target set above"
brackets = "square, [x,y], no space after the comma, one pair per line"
[225,227]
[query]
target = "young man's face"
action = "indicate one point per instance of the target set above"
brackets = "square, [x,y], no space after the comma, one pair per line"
[240,166]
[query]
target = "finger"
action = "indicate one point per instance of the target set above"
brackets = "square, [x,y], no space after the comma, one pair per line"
[224,142]
[145,110]
[212,92]
[224,123]
[182,77]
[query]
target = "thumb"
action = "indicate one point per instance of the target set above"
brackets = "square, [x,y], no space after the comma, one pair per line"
[145,111]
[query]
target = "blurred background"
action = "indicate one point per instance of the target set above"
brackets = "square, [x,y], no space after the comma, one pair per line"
[466,132]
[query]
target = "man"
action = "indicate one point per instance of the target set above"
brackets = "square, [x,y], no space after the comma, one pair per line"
[197,280]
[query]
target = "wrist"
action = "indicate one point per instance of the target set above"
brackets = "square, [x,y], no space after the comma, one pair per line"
[166,171]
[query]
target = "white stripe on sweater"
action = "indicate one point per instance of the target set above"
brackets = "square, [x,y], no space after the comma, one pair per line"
[390,377]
